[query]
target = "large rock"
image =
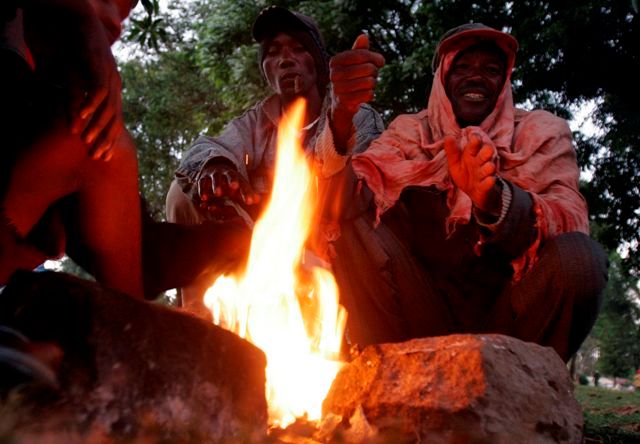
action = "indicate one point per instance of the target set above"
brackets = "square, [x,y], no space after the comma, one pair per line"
[457,389]
[131,369]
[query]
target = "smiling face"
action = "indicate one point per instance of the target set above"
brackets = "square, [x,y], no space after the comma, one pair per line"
[289,68]
[474,82]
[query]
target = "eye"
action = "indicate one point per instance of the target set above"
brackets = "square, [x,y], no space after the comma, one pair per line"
[494,70]
[272,50]
[459,68]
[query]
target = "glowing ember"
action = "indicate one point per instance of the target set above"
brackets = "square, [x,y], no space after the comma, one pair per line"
[290,312]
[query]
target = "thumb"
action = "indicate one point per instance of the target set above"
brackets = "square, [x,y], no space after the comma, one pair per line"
[362,42]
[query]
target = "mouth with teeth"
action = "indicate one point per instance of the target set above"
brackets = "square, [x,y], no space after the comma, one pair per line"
[474,95]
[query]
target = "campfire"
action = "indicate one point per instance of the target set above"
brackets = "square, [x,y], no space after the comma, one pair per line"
[281,303]
[154,386]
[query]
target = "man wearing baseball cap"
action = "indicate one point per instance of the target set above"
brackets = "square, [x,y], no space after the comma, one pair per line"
[222,177]
[482,228]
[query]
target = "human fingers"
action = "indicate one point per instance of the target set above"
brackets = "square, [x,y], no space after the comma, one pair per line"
[94,91]
[238,188]
[486,153]
[102,148]
[219,183]
[452,150]
[83,103]
[355,57]
[473,146]
[355,85]
[247,194]
[101,83]
[99,131]
[350,72]
[487,169]
[205,187]
[486,184]
[93,101]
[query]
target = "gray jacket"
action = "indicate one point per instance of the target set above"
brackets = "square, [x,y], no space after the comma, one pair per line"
[249,142]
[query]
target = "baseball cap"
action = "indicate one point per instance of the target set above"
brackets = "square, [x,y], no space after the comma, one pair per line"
[469,34]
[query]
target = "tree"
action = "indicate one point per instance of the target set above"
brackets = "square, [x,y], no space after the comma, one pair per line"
[179,91]
[617,330]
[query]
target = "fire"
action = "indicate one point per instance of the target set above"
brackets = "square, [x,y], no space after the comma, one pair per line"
[288,311]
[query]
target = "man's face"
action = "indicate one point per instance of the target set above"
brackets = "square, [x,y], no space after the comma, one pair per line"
[289,68]
[111,14]
[474,82]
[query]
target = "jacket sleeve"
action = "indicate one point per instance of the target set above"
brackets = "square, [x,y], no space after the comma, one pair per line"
[545,189]
[235,145]
[368,127]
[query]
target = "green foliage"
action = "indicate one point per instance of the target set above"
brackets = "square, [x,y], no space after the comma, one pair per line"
[618,327]
[148,30]
[568,56]
[609,416]
[169,101]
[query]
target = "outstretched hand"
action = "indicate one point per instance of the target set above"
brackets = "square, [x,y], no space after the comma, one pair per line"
[354,75]
[219,181]
[95,99]
[473,170]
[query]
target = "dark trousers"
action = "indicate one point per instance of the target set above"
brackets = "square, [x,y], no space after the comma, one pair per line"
[389,296]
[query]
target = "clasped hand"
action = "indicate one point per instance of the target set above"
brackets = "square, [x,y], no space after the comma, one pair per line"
[473,170]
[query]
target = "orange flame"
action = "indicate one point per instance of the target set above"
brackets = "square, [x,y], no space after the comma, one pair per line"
[292,315]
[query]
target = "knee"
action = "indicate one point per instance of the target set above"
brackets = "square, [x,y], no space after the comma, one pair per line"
[180,208]
[581,266]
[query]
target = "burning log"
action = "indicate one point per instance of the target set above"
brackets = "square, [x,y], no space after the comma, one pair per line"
[131,369]
[459,388]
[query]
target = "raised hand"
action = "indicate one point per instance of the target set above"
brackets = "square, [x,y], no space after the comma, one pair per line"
[473,170]
[354,75]
[95,92]
[71,44]
[96,107]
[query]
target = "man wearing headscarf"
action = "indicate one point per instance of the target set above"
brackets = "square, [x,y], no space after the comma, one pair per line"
[480,224]
[222,177]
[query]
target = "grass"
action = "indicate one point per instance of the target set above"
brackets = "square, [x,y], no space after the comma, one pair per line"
[610,416]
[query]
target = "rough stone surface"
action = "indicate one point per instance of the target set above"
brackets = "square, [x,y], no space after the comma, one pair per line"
[459,389]
[132,370]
